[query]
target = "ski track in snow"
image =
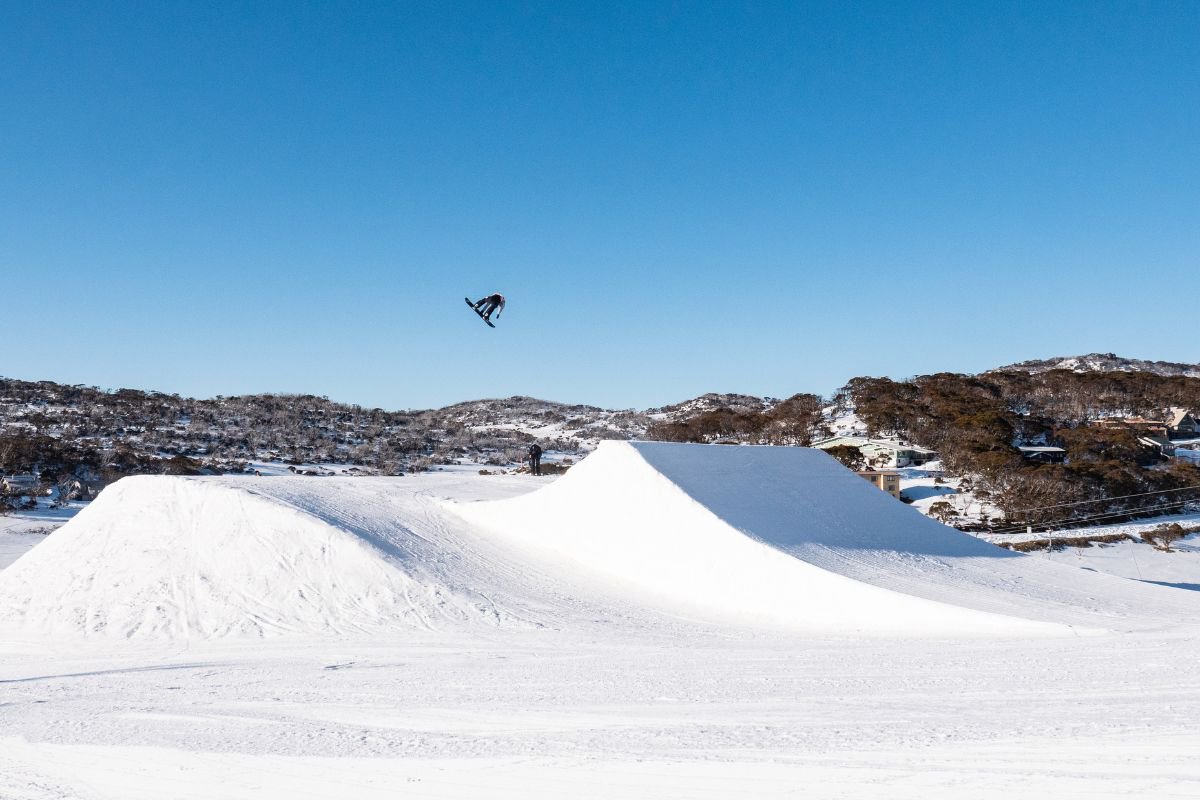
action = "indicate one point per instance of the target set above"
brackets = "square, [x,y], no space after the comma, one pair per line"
[663,621]
[545,711]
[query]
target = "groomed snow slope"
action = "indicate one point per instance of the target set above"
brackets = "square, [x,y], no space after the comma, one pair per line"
[637,537]
[788,537]
[164,557]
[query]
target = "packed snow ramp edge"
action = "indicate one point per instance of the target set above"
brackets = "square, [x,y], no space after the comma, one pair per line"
[788,537]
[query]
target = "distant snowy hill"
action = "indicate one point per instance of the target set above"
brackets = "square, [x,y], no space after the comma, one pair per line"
[741,403]
[55,427]
[79,434]
[1103,362]
[569,428]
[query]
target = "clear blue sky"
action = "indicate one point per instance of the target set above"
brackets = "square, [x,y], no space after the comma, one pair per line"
[675,197]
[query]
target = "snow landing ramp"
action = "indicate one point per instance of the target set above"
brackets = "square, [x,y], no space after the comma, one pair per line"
[178,558]
[788,537]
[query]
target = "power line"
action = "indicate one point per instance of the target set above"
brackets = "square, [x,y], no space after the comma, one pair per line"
[1103,499]
[1046,526]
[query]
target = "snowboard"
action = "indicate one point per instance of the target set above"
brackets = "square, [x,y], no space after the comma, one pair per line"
[480,313]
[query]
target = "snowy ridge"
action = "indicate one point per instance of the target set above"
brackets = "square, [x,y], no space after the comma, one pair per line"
[1103,362]
[711,402]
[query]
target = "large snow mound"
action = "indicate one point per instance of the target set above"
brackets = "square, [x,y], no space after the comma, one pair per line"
[164,557]
[787,536]
[637,537]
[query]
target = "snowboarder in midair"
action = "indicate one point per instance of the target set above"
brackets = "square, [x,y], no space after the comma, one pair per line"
[535,459]
[493,302]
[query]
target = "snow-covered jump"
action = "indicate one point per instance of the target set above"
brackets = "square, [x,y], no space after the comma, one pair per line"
[638,535]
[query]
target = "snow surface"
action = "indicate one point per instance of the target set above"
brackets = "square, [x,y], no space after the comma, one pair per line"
[15,543]
[21,530]
[787,536]
[1180,567]
[169,557]
[456,635]
[1185,454]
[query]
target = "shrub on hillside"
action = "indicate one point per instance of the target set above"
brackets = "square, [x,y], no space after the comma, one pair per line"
[943,511]
[1162,536]
[1058,543]
[794,421]
[180,465]
[976,422]
[850,457]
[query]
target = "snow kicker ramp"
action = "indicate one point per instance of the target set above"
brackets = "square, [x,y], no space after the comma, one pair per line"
[788,537]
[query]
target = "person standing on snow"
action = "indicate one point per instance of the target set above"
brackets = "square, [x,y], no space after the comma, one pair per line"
[493,302]
[535,459]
